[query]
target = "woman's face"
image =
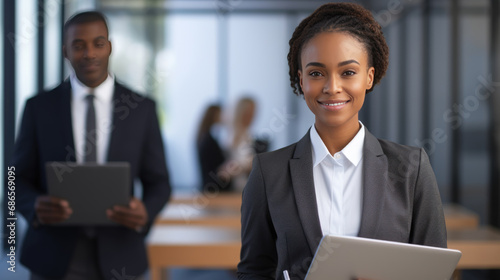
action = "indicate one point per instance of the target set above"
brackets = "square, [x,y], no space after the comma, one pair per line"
[334,78]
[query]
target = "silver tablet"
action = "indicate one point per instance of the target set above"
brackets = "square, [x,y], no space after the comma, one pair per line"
[348,258]
[90,189]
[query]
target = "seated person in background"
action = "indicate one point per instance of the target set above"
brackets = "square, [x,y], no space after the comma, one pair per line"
[339,179]
[89,117]
[242,145]
[210,155]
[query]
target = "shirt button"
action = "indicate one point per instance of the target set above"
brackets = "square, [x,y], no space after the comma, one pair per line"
[337,156]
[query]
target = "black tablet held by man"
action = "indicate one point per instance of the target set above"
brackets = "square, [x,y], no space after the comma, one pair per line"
[90,189]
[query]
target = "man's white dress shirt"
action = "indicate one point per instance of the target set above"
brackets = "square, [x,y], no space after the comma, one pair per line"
[103,103]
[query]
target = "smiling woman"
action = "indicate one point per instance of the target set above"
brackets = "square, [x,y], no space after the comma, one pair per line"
[338,179]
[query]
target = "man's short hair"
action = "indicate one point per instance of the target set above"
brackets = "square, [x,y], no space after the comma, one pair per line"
[84,17]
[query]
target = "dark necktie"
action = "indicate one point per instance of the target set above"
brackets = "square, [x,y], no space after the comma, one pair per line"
[90,150]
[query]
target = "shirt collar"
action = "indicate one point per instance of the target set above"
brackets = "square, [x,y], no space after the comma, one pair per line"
[353,151]
[103,92]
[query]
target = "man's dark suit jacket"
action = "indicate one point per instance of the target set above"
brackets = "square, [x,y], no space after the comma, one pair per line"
[46,134]
[280,223]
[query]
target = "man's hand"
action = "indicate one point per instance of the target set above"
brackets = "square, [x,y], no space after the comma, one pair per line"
[133,216]
[52,210]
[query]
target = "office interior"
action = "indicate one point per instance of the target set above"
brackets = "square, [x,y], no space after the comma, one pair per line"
[439,93]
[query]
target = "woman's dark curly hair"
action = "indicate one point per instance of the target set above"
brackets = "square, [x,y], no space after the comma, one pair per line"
[342,17]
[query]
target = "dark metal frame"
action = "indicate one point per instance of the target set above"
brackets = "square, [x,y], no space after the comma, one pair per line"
[41,45]
[494,196]
[62,20]
[9,101]
[455,96]
[402,77]
[426,71]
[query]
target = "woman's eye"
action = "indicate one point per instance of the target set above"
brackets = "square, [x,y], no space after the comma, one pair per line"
[315,74]
[349,73]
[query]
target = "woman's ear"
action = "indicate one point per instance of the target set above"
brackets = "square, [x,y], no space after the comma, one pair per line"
[370,77]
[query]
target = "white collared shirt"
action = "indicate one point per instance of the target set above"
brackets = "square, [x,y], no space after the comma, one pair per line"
[103,103]
[338,184]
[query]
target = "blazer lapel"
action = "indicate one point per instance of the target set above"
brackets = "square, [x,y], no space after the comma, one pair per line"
[119,115]
[301,170]
[66,118]
[374,185]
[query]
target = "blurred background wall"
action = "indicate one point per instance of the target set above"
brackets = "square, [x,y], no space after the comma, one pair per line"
[439,92]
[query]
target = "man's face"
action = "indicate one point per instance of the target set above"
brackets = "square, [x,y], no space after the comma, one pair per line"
[87,48]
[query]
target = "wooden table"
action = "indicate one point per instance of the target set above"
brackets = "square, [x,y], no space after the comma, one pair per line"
[201,200]
[480,247]
[224,209]
[192,247]
[219,247]
[201,231]
[190,214]
[459,217]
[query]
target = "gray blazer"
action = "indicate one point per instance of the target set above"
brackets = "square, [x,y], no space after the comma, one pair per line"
[280,222]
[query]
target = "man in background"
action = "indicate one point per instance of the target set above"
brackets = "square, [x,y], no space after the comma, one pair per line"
[88,118]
